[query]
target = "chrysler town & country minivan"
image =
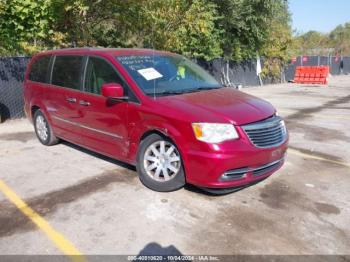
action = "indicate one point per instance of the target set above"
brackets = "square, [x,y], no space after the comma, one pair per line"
[156,110]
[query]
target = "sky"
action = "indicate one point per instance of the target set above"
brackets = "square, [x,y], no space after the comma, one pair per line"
[319,15]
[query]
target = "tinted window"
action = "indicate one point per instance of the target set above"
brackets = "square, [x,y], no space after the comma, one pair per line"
[66,71]
[39,69]
[99,72]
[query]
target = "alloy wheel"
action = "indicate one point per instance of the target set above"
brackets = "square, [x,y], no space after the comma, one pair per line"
[41,127]
[162,161]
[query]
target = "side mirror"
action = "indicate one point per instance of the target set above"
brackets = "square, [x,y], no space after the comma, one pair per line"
[114,91]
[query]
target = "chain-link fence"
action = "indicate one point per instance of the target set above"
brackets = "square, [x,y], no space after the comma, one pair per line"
[12,71]
[229,73]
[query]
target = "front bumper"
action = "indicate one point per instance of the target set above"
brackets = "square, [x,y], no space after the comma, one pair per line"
[243,166]
[256,172]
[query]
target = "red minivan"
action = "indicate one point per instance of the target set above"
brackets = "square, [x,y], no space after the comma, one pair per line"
[158,111]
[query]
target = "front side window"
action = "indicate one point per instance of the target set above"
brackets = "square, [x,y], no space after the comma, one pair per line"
[39,69]
[66,71]
[99,72]
[167,74]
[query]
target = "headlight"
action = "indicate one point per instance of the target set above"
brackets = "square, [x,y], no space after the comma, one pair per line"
[214,133]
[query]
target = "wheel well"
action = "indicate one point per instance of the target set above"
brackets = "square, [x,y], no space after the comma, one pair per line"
[151,132]
[34,109]
[157,132]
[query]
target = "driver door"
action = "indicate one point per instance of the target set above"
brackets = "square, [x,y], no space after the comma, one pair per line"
[104,123]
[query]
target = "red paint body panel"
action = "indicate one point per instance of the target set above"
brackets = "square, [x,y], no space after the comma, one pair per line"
[223,105]
[171,115]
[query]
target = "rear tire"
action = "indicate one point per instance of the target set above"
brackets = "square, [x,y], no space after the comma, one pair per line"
[43,129]
[159,164]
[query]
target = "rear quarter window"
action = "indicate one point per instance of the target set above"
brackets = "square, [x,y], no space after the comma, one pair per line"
[39,69]
[67,71]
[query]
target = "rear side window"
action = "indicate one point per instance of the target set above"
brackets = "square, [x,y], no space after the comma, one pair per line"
[66,71]
[39,69]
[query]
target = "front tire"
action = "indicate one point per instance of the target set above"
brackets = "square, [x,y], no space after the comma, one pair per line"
[159,164]
[43,130]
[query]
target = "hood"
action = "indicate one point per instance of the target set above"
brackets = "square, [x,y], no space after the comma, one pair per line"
[224,104]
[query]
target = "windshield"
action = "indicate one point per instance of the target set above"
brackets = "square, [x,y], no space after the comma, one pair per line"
[167,74]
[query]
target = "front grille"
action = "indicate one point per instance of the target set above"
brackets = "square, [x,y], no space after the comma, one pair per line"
[267,133]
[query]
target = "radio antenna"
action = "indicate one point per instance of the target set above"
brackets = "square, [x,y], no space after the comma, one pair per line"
[153,54]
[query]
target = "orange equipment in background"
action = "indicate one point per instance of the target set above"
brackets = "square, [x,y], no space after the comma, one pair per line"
[311,75]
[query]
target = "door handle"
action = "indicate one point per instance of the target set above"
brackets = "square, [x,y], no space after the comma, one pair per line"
[71,100]
[84,103]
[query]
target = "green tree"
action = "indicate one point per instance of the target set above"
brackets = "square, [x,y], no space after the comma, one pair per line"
[176,25]
[24,25]
[312,43]
[245,25]
[337,42]
[78,20]
[339,39]
[186,27]
[277,48]
[237,29]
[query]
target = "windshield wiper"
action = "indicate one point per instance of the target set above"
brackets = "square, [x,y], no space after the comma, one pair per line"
[179,92]
[202,88]
[164,93]
[208,87]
